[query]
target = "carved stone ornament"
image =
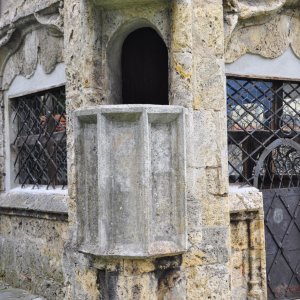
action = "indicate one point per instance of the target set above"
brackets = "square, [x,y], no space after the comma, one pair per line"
[6,34]
[266,27]
[54,21]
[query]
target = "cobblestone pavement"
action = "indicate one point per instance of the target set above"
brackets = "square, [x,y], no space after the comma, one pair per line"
[9,293]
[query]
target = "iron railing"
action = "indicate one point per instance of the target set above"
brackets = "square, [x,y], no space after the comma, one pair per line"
[263,132]
[39,146]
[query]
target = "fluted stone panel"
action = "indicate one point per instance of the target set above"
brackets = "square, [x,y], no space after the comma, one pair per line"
[131,180]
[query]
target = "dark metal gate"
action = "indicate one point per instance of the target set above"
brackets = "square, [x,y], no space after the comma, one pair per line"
[264,151]
[282,230]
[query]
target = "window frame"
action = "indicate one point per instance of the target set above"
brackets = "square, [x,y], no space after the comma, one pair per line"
[278,92]
[47,140]
[21,86]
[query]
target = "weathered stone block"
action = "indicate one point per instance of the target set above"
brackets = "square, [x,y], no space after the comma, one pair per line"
[208,282]
[239,235]
[257,237]
[131,180]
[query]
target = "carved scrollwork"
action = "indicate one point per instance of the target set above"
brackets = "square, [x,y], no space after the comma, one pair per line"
[247,22]
[237,10]
[55,21]
[247,9]
[6,34]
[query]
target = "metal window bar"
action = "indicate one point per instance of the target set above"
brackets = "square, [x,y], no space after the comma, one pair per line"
[259,113]
[40,141]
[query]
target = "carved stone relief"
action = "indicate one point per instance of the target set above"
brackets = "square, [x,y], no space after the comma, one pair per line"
[54,21]
[265,27]
[6,35]
[38,47]
[35,37]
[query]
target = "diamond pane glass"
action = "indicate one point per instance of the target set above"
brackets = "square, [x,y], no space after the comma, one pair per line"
[259,112]
[40,142]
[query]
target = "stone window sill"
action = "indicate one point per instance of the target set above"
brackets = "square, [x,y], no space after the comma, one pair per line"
[41,204]
[237,189]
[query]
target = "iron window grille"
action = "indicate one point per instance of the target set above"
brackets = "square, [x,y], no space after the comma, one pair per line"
[263,120]
[39,145]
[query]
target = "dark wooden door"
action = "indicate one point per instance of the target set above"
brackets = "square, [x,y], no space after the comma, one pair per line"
[144,68]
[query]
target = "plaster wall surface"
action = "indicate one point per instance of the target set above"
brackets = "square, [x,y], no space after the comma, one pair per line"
[250,65]
[38,81]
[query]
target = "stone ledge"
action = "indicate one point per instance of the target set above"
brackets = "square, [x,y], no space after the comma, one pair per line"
[41,204]
[245,199]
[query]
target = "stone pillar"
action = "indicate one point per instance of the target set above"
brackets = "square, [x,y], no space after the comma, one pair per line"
[207,262]
[82,89]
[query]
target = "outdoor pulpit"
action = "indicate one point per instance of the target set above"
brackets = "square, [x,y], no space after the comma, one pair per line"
[131,178]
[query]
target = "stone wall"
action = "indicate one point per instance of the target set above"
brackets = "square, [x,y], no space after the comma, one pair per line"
[31,254]
[32,236]
[33,224]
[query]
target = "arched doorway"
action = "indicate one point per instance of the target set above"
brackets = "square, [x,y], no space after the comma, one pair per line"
[144,68]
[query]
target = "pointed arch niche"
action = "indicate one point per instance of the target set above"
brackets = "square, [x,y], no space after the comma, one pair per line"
[144,63]
[138,65]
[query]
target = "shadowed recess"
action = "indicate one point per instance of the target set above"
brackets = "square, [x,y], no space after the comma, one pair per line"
[144,68]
